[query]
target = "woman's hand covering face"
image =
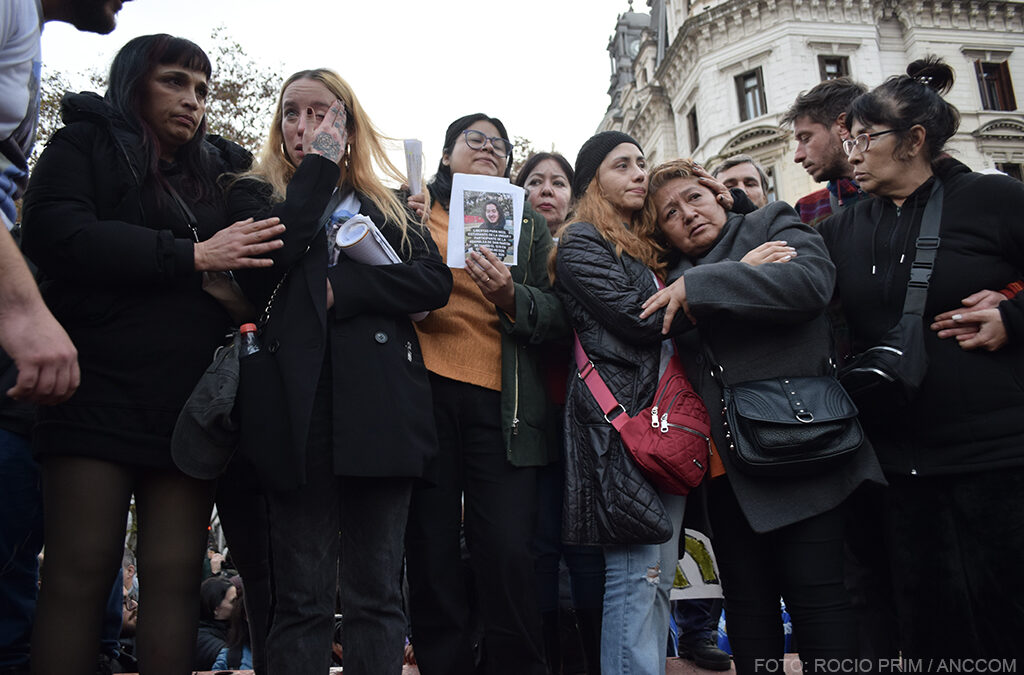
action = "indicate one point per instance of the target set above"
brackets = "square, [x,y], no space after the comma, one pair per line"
[330,138]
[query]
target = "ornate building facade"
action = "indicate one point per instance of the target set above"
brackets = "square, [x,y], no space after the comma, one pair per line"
[712,78]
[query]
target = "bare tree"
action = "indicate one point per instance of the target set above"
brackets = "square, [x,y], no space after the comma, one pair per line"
[242,96]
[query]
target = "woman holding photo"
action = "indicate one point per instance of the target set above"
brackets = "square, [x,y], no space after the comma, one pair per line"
[357,394]
[483,354]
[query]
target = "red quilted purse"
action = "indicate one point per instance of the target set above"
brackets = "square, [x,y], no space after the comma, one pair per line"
[669,440]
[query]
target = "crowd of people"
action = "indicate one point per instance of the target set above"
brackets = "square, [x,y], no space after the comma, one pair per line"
[427,477]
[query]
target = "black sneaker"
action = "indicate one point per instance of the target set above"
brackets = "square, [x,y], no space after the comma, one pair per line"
[706,654]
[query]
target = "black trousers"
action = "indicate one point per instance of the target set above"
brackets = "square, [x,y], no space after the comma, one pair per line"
[305,548]
[499,501]
[802,563]
[958,565]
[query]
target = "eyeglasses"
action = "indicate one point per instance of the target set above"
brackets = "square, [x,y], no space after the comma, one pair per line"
[478,141]
[863,142]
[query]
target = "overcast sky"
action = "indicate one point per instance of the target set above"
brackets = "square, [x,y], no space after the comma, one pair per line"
[541,66]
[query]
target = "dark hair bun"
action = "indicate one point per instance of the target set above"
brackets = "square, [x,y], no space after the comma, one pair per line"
[932,72]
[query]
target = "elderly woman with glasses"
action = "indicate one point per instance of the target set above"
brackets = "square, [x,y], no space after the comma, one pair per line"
[954,456]
[483,355]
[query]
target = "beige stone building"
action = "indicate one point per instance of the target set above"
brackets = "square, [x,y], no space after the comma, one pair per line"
[712,78]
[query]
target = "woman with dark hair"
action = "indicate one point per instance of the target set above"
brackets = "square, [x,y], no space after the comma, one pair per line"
[954,456]
[236,654]
[494,232]
[218,598]
[494,215]
[482,352]
[547,178]
[122,217]
[355,389]
[754,288]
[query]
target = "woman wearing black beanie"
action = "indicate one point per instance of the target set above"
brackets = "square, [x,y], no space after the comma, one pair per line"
[603,273]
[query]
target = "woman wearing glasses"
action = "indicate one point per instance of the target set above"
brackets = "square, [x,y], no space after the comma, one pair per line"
[483,354]
[954,457]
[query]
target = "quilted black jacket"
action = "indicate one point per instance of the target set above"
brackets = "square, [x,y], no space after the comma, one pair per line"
[607,499]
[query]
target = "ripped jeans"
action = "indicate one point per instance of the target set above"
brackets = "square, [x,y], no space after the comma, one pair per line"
[638,578]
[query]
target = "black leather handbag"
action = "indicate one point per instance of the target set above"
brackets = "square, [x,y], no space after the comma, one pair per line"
[790,426]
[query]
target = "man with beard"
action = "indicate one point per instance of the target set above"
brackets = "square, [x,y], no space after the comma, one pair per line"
[818,117]
[38,363]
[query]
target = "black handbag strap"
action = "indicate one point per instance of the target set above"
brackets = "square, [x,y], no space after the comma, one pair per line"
[190,218]
[332,204]
[927,248]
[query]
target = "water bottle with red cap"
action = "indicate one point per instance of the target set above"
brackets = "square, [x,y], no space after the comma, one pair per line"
[250,340]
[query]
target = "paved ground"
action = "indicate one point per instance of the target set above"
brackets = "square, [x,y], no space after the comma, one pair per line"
[673,667]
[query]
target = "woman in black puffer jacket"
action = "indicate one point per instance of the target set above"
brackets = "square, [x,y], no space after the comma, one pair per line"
[603,273]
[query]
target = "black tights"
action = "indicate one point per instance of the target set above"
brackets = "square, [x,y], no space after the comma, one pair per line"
[85,512]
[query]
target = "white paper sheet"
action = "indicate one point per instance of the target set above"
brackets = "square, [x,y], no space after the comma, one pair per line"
[468,218]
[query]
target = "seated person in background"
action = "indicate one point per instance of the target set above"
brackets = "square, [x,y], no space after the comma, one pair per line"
[217,597]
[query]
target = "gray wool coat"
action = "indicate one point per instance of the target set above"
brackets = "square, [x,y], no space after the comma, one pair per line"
[766,321]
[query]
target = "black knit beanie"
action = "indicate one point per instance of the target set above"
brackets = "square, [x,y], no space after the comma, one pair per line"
[592,154]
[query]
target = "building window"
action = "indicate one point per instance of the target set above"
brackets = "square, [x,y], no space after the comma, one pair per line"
[831,67]
[692,128]
[995,85]
[750,91]
[769,190]
[1011,170]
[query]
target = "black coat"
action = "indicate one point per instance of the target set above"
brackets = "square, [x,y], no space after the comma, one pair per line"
[603,293]
[118,272]
[967,416]
[210,638]
[382,408]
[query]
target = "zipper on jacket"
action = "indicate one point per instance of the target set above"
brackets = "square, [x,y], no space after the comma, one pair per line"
[515,408]
[408,351]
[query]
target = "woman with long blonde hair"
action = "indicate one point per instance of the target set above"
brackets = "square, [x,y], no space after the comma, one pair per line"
[357,395]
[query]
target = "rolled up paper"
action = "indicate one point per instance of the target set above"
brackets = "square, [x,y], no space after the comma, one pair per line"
[361,241]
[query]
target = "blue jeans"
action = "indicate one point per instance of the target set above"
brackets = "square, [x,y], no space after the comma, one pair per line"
[21,538]
[638,579]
